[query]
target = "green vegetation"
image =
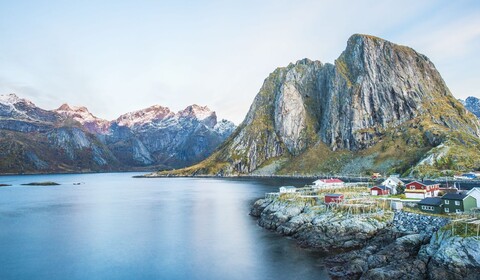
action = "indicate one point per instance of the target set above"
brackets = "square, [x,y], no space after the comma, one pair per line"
[464,226]
[440,139]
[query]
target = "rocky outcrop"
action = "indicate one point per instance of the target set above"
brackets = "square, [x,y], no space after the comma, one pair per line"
[452,257]
[473,105]
[375,96]
[406,246]
[388,255]
[326,231]
[71,139]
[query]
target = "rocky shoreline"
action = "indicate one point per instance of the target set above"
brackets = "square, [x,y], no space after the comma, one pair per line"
[379,245]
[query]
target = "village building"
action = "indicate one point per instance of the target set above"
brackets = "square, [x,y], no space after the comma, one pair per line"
[288,189]
[380,190]
[328,183]
[418,190]
[333,198]
[431,205]
[475,193]
[458,203]
[393,182]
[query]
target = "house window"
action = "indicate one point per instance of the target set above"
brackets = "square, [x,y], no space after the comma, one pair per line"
[412,187]
[447,210]
[447,201]
[457,203]
[458,211]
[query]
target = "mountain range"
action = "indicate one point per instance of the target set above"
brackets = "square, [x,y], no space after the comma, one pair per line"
[381,107]
[71,139]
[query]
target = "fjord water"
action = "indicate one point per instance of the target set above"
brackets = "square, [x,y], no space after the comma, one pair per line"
[113,226]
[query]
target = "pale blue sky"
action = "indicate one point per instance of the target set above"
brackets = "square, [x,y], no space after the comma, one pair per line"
[118,56]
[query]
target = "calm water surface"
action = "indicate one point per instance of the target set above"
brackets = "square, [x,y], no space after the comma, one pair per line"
[113,226]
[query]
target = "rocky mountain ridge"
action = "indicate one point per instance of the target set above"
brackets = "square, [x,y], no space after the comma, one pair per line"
[71,138]
[473,105]
[380,107]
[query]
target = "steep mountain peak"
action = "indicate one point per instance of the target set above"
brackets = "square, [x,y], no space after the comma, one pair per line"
[12,98]
[78,113]
[377,98]
[200,113]
[473,105]
[152,113]
[197,111]
[12,106]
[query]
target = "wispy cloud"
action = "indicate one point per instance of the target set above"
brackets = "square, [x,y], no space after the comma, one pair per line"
[119,56]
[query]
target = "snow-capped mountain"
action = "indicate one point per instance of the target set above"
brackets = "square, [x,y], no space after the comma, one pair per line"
[147,115]
[71,138]
[170,139]
[84,117]
[473,105]
[14,107]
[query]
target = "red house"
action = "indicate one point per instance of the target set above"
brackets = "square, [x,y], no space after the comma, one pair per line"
[418,190]
[379,190]
[333,198]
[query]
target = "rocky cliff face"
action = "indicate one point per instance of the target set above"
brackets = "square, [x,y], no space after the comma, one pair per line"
[375,92]
[473,105]
[169,139]
[72,139]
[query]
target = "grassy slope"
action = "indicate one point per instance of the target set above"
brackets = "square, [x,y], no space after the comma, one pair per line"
[397,149]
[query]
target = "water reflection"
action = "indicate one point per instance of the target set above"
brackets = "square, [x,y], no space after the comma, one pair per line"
[114,226]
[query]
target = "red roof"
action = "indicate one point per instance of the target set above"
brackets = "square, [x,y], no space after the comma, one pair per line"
[331,181]
[334,194]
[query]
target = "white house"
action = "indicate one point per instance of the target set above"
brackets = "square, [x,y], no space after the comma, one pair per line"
[392,182]
[288,189]
[328,183]
[475,192]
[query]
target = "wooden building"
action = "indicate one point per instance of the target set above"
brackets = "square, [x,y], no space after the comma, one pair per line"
[379,190]
[328,183]
[416,189]
[431,205]
[458,202]
[333,198]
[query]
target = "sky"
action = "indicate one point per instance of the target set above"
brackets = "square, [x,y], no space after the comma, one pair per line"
[119,56]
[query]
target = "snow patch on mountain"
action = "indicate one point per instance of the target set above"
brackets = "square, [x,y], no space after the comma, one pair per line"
[224,127]
[8,108]
[147,115]
[80,114]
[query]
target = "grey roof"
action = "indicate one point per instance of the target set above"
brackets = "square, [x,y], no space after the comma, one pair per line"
[454,196]
[433,201]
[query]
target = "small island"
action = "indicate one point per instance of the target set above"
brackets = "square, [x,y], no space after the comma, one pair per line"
[47,183]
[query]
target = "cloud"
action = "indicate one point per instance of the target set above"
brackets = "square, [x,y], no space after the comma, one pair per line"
[216,53]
